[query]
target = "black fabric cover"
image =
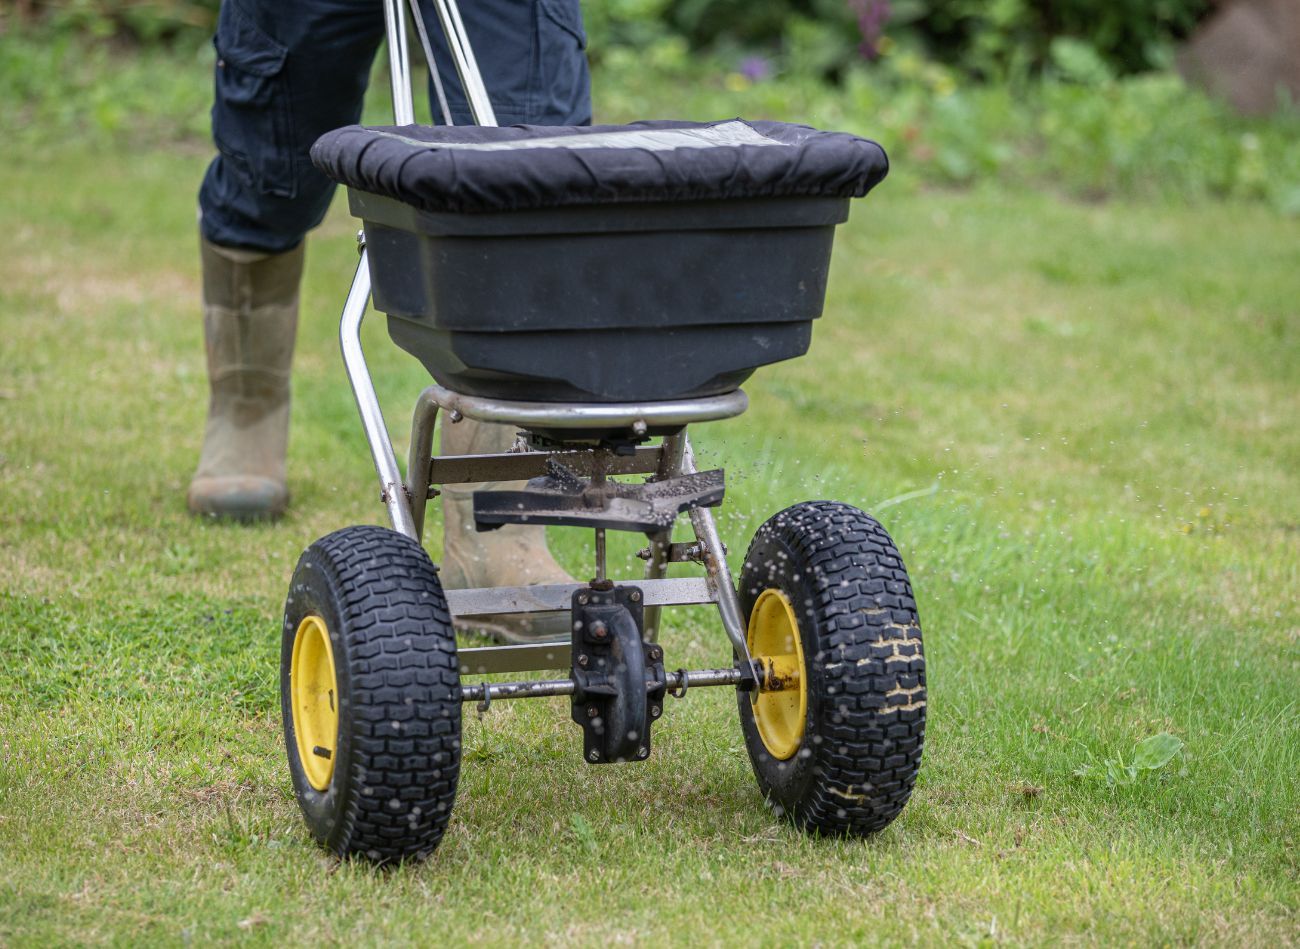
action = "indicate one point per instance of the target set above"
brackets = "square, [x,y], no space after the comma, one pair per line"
[475,169]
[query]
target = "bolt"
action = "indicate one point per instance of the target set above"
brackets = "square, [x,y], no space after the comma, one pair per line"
[643,752]
[639,427]
[582,599]
[656,653]
[592,711]
[582,660]
[656,711]
[635,596]
[593,755]
[599,630]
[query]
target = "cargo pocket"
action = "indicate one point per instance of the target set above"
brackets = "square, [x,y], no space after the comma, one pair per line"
[567,15]
[252,119]
[560,83]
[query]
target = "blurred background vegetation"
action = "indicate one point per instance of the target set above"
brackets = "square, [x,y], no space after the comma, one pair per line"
[1079,95]
[986,38]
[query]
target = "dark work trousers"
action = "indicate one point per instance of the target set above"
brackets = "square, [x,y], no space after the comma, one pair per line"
[290,70]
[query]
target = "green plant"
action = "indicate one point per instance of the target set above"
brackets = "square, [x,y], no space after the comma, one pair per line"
[625,25]
[141,21]
[1012,38]
[1150,754]
[1124,136]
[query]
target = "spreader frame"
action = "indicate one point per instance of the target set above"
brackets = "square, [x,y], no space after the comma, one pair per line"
[406,498]
[828,664]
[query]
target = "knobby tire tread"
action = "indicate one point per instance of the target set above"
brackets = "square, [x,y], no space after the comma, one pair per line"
[866,728]
[405,689]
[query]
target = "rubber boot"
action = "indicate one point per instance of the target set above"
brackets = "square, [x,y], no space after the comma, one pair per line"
[509,556]
[250,315]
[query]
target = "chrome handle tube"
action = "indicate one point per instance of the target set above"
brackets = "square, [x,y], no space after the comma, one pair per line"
[715,566]
[393,493]
[399,63]
[462,54]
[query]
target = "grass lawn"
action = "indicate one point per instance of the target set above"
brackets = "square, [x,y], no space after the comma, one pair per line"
[1081,419]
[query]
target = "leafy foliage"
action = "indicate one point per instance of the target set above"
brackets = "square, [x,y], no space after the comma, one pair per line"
[992,39]
[984,38]
[1089,133]
[1001,38]
[1082,129]
[147,21]
[1150,754]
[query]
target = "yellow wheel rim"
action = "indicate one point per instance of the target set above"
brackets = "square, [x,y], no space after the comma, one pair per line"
[774,641]
[314,697]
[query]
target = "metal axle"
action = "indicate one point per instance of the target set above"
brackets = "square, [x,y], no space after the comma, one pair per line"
[678,682]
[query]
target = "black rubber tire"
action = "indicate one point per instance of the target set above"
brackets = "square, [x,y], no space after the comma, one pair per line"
[399,745]
[861,749]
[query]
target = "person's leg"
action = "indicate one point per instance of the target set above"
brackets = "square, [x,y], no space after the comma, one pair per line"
[250,314]
[287,71]
[532,54]
[535,71]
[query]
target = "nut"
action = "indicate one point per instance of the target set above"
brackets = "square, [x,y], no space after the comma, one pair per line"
[593,755]
[635,596]
[592,711]
[583,660]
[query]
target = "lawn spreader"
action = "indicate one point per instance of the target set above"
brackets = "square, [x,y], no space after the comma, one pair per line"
[602,289]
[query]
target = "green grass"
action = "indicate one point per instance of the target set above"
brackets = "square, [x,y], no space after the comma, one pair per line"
[1088,412]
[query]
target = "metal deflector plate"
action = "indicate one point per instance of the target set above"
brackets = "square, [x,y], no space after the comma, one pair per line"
[562,498]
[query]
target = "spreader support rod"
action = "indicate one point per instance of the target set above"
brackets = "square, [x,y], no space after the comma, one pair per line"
[678,682]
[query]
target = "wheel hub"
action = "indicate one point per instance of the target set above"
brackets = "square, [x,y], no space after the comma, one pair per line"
[314,696]
[780,709]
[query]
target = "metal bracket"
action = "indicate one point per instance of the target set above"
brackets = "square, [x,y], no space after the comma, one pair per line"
[553,597]
[523,465]
[561,497]
[422,468]
[619,681]
[677,553]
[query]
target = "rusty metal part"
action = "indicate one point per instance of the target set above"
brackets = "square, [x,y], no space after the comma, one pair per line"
[561,497]
[677,682]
